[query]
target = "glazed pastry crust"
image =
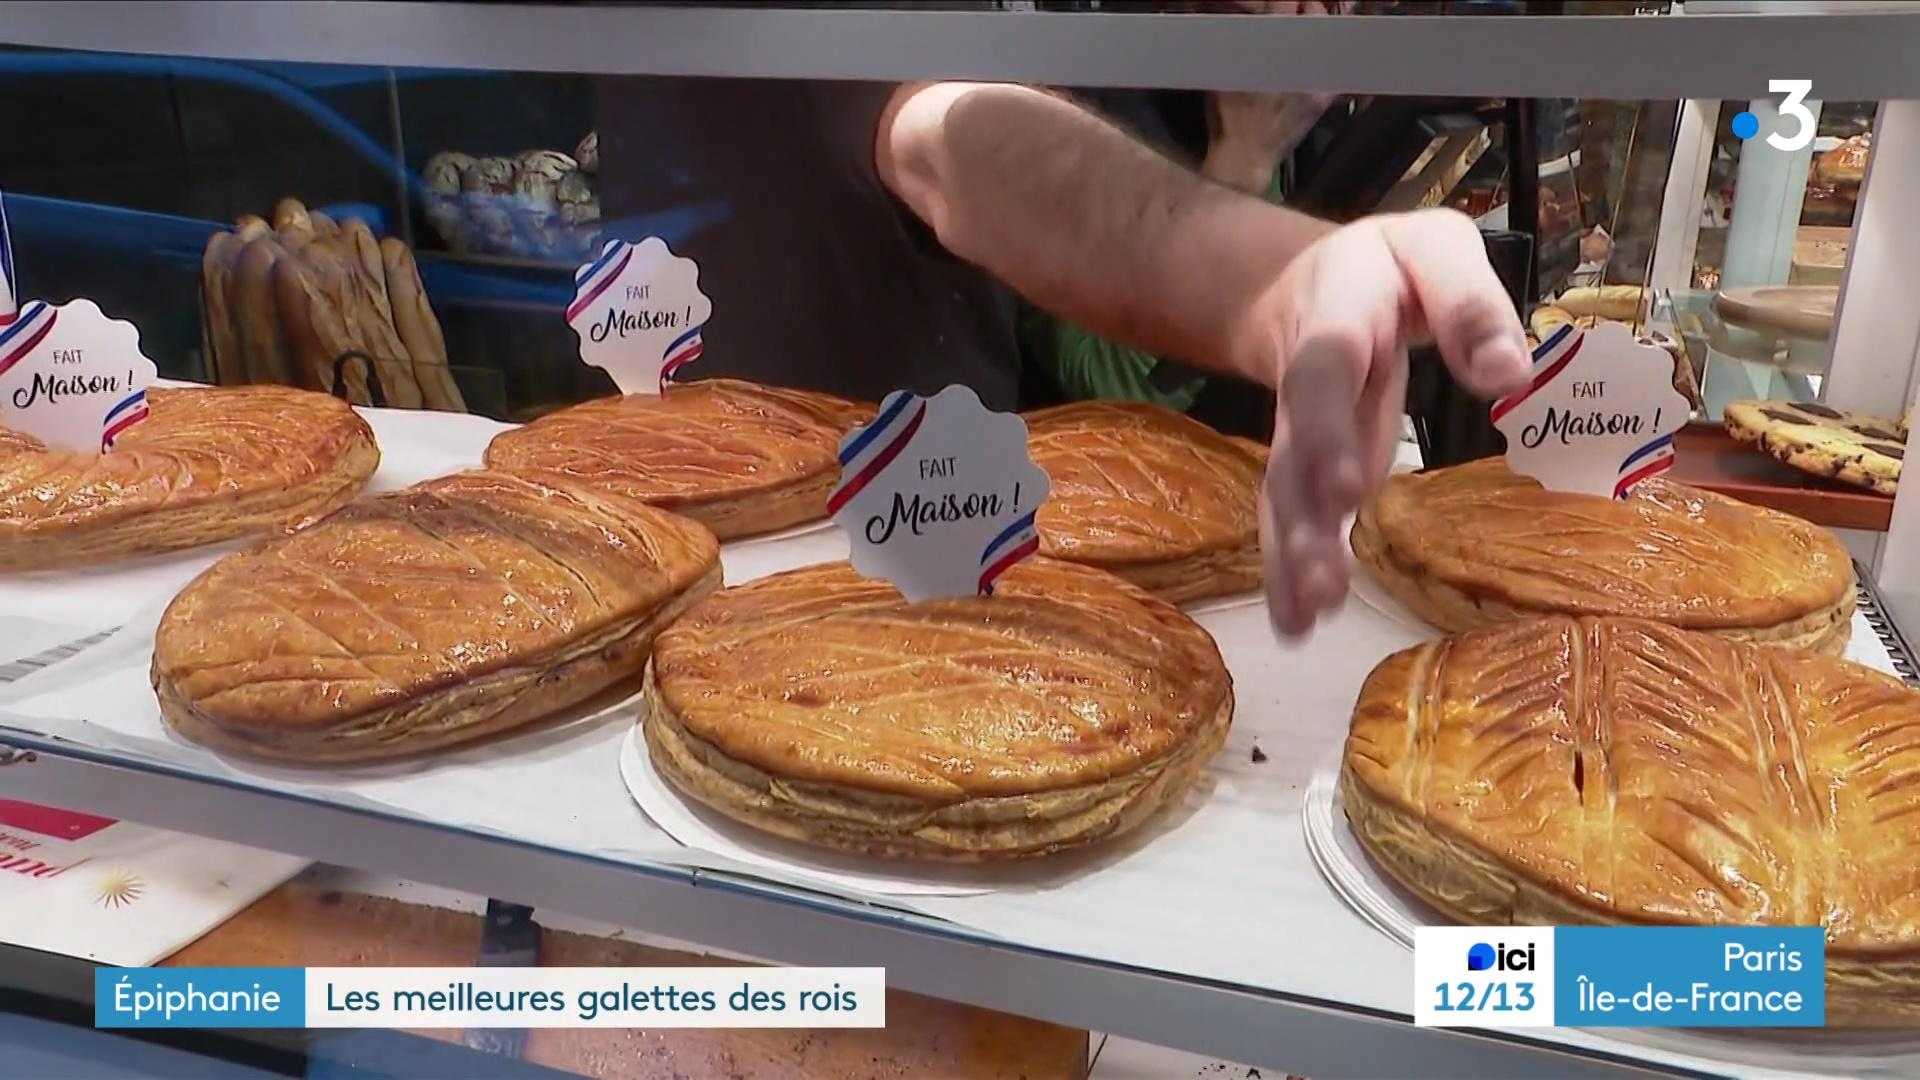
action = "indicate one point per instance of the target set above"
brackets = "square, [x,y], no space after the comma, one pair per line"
[819,705]
[417,619]
[206,465]
[1477,543]
[1149,494]
[738,457]
[1566,771]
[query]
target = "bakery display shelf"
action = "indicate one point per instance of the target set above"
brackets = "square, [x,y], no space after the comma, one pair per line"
[1873,607]
[1709,458]
[1849,56]
[1214,934]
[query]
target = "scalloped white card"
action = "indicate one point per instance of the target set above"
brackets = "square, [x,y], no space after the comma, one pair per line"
[938,494]
[1599,416]
[638,310]
[71,377]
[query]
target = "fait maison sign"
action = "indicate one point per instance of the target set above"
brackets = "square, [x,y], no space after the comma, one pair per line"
[1599,415]
[638,310]
[69,376]
[938,494]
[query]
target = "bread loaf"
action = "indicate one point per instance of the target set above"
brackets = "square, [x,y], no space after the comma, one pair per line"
[1620,303]
[251,227]
[266,354]
[226,361]
[414,319]
[290,218]
[313,312]
[369,320]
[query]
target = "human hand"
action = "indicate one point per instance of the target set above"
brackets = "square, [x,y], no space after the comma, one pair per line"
[1251,132]
[1331,334]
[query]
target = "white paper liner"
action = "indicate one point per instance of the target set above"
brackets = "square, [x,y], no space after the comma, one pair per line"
[1396,913]
[1224,603]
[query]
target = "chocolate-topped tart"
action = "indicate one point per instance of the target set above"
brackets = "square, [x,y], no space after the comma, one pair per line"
[1153,496]
[1852,447]
[1561,771]
[1475,544]
[738,457]
[818,705]
[459,608]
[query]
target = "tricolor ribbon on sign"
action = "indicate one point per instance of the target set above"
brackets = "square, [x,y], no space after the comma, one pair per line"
[131,410]
[1549,360]
[10,300]
[596,277]
[20,336]
[1018,541]
[1650,460]
[868,455]
[683,350]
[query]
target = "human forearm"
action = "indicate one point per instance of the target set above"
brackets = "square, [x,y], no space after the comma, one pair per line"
[1087,222]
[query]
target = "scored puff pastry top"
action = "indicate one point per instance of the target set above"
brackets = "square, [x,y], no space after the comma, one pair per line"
[197,446]
[1133,482]
[1650,774]
[700,441]
[1065,676]
[1668,552]
[413,591]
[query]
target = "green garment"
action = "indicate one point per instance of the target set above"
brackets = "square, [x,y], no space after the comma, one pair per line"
[1089,367]
[1085,366]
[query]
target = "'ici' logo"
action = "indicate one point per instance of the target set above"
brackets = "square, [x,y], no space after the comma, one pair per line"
[1485,957]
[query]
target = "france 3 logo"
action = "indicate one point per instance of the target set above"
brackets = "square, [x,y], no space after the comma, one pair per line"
[1483,976]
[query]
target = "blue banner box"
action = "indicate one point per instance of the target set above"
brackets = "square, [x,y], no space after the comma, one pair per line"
[1666,976]
[253,997]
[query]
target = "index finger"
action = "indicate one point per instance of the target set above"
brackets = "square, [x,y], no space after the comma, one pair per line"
[1465,307]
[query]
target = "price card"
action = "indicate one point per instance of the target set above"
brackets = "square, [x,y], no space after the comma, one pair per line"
[1599,415]
[638,310]
[71,377]
[938,494]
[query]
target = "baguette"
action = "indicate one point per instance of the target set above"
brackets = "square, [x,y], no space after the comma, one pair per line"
[226,360]
[419,329]
[290,218]
[251,227]
[1620,303]
[324,227]
[265,356]
[371,320]
[313,311]
[359,239]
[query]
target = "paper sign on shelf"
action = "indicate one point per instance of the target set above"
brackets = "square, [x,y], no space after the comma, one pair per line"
[638,310]
[71,377]
[938,494]
[1599,415]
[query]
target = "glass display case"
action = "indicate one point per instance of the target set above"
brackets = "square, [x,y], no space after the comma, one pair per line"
[188,166]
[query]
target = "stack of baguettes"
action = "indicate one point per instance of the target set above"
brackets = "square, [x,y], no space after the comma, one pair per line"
[306,301]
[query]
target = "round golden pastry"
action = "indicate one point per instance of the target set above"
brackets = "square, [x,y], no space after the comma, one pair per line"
[820,706]
[1477,543]
[1561,771]
[458,608]
[206,465]
[737,457]
[1153,496]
